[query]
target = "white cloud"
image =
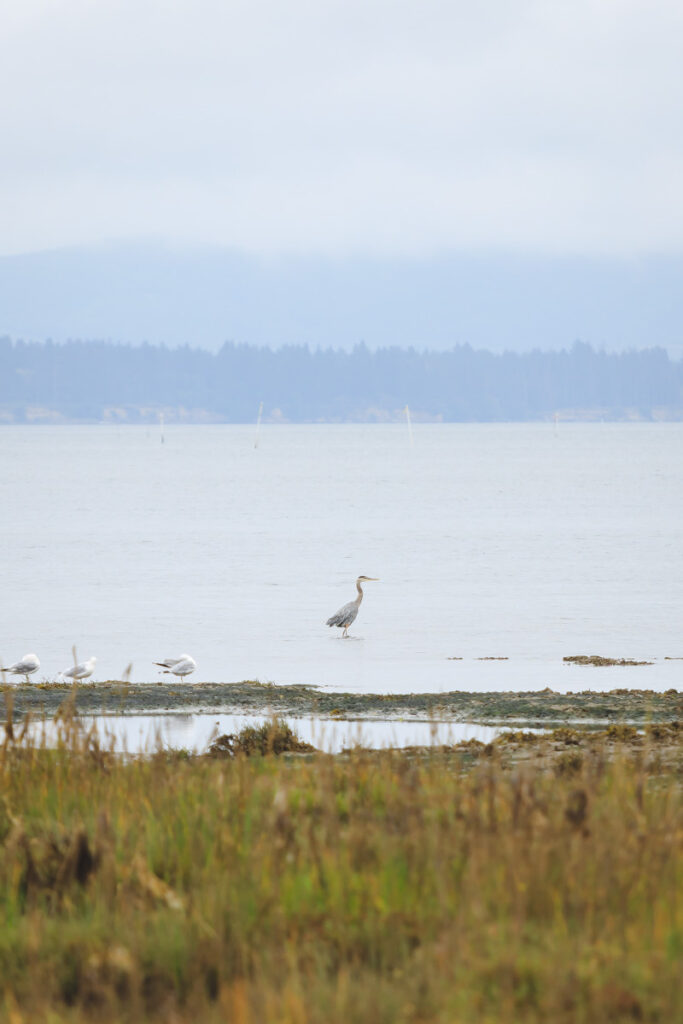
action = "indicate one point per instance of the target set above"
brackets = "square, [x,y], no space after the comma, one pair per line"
[361,125]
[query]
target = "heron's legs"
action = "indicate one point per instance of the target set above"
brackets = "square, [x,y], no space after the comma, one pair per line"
[346,631]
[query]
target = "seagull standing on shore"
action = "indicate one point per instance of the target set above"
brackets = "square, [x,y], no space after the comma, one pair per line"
[182,666]
[82,671]
[26,667]
[346,615]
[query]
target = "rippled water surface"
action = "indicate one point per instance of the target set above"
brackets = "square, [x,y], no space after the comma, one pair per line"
[516,541]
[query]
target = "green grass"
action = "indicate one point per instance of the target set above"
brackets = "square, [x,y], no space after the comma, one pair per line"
[369,887]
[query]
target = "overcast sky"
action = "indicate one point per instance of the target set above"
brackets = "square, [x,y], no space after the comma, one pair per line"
[357,126]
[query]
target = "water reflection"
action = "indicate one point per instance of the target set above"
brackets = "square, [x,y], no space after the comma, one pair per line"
[143,733]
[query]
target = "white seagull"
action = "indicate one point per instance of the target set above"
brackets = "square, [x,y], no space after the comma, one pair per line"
[182,666]
[26,667]
[81,671]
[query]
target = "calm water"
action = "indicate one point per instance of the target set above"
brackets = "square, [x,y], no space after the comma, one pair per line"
[147,733]
[490,540]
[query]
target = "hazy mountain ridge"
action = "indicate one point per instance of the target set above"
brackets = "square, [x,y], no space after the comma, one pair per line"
[204,296]
[94,380]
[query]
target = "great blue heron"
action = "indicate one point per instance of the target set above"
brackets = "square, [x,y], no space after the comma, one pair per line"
[182,666]
[346,615]
[81,671]
[26,667]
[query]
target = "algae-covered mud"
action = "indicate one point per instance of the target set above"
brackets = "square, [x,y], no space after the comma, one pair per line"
[564,750]
[622,705]
[601,662]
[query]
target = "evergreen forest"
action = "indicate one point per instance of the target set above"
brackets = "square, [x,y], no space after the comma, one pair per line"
[91,381]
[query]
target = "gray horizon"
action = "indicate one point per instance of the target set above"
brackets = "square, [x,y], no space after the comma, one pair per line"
[362,129]
[503,176]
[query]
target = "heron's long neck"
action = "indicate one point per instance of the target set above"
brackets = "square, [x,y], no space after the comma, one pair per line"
[360,592]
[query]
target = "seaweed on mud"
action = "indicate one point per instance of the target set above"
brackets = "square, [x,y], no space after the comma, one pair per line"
[519,737]
[598,659]
[622,733]
[633,705]
[274,737]
[570,737]
[473,745]
[663,731]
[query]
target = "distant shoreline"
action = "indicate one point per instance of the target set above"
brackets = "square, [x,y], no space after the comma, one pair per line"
[182,417]
[91,381]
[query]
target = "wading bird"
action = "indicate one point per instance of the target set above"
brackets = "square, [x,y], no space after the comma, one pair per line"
[81,671]
[345,616]
[182,666]
[26,667]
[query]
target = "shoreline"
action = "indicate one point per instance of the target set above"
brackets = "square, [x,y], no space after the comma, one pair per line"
[487,708]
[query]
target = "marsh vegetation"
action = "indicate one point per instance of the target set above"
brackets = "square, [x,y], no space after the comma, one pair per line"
[527,880]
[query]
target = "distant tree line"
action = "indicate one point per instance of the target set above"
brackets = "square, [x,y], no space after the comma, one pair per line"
[92,380]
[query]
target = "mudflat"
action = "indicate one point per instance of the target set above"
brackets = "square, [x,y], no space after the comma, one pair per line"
[249,697]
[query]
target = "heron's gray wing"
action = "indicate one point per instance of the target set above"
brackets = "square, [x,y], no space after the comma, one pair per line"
[167,662]
[345,615]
